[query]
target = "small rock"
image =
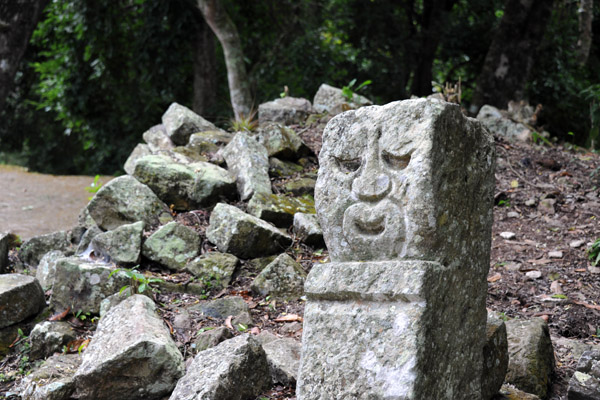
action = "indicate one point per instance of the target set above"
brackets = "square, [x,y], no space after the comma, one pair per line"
[512,214]
[53,380]
[172,245]
[530,202]
[500,125]
[533,275]
[291,327]
[35,248]
[180,122]
[330,99]
[585,382]
[280,168]
[211,337]
[47,268]
[157,138]
[555,254]
[209,142]
[283,357]
[287,111]
[495,356]
[510,392]
[21,296]
[121,245]
[575,244]
[300,187]
[281,141]
[508,235]
[140,151]
[87,237]
[49,337]
[283,278]
[546,206]
[223,307]
[216,268]
[308,229]
[236,369]
[279,209]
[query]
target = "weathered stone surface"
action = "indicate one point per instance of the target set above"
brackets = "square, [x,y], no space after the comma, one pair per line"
[280,168]
[307,228]
[509,392]
[211,183]
[121,245]
[283,357]
[34,249]
[180,122]
[211,338]
[223,307]
[124,200]
[82,284]
[502,126]
[209,141]
[21,296]
[4,241]
[140,151]
[248,161]
[47,268]
[236,369]
[412,179]
[531,357]
[87,237]
[283,278]
[495,357]
[279,209]
[49,337]
[287,111]
[301,186]
[281,141]
[585,382]
[331,100]
[131,355]
[158,140]
[404,196]
[216,268]
[173,245]
[243,235]
[53,380]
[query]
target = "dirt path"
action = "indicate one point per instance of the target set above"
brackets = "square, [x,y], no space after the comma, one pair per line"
[32,204]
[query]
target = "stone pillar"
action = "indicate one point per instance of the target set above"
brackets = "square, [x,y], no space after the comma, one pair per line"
[404,195]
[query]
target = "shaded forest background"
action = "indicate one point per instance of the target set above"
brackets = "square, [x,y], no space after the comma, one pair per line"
[97,74]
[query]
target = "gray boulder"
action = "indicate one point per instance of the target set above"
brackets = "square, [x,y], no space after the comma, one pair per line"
[287,111]
[495,357]
[243,235]
[283,357]
[49,337]
[47,268]
[53,380]
[332,100]
[141,150]
[131,355]
[585,382]
[279,209]
[307,228]
[180,122]
[158,140]
[124,200]
[500,125]
[82,285]
[248,161]
[223,307]
[236,369]
[209,142]
[283,278]
[173,245]
[121,245]
[211,338]
[215,268]
[211,183]
[280,168]
[301,186]
[87,237]
[281,141]
[21,296]
[4,241]
[531,357]
[34,249]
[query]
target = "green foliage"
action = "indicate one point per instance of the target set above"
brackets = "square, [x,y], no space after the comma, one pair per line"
[593,253]
[94,186]
[139,283]
[349,90]
[244,123]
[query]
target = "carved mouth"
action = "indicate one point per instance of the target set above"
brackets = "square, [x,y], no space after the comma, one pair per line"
[374,227]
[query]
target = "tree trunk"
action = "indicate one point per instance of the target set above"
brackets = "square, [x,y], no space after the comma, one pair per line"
[205,83]
[511,55]
[18,19]
[225,30]
[586,15]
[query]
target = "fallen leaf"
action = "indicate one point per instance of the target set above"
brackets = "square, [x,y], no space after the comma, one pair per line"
[75,345]
[590,306]
[514,184]
[541,261]
[580,270]
[228,322]
[288,318]
[170,326]
[494,278]
[60,316]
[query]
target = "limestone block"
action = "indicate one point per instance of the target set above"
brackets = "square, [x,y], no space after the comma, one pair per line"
[173,245]
[236,369]
[35,248]
[332,100]
[211,338]
[307,228]
[243,235]
[131,355]
[124,200]
[216,268]
[531,357]
[53,380]
[585,382]
[121,245]
[180,122]
[21,296]
[49,337]
[141,150]
[82,284]
[283,278]
[47,268]
[495,357]
[279,209]
[158,140]
[4,241]
[281,141]
[287,111]
[248,161]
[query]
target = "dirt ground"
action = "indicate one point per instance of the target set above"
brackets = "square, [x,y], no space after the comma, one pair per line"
[547,196]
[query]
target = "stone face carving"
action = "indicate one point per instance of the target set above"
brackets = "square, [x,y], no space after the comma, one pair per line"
[404,197]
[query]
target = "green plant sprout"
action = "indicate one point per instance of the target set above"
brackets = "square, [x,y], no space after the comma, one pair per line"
[593,253]
[94,186]
[244,123]
[349,91]
[138,281]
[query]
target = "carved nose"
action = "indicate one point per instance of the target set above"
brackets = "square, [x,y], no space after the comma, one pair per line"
[371,187]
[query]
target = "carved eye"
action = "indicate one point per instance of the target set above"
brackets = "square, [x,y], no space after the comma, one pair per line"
[348,166]
[394,161]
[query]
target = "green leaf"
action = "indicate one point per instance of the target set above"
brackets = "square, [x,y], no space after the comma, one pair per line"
[142,288]
[114,272]
[123,289]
